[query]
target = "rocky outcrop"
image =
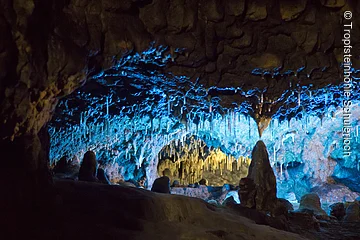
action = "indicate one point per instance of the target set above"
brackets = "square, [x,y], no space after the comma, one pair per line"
[161,185]
[352,213]
[262,174]
[311,202]
[337,210]
[282,207]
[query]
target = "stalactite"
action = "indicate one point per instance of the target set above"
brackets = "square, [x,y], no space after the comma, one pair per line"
[249,128]
[326,98]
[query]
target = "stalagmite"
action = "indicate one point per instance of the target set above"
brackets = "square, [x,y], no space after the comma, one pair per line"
[263,176]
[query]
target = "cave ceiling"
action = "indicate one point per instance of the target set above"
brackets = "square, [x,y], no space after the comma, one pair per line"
[263,58]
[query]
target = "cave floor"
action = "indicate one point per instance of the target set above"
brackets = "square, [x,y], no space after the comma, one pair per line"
[95,211]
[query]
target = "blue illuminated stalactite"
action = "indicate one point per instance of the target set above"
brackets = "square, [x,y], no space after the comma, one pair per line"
[131,129]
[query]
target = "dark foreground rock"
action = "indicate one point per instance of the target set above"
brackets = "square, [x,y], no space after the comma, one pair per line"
[161,185]
[352,213]
[96,211]
[85,210]
[337,210]
[88,167]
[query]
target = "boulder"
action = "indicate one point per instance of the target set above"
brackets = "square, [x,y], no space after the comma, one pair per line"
[311,203]
[88,167]
[261,172]
[337,210]
[203,182]
[161,185]
[352,213]
[282,207]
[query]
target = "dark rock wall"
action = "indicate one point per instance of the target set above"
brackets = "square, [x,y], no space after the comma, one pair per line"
[48,48]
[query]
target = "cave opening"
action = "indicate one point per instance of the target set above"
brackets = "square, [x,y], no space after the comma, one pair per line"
[139,121]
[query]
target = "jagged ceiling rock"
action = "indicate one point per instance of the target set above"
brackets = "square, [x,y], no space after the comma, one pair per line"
[256,10]
[290,10]
[235,7]
[221,44]
[333,3]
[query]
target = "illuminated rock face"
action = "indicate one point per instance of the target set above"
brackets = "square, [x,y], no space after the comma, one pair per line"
[262,174]
[191,160]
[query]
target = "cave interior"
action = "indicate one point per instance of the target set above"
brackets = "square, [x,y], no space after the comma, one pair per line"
[249,111]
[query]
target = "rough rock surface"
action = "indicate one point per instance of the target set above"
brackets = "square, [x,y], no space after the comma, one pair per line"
[311,202]
[261,172]
[161,185]
[247,192]
[352,213]
[88,167]
[49,48]
[282,207]
[129,213]
[337,210]
[66,169]
[201,192]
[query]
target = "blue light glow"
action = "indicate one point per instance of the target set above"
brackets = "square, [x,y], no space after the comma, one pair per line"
[140,109]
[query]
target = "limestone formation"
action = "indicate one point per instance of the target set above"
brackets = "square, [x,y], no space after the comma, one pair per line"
[161,185]
[48,49]
[67,169]
[176,183]
[203,182]
[247,192]
[352,213]
[337,210]
[229,201]
[262,174]
[61,166]
[102,177]
[282,207]
[88,167]
[311,202]
[290,10]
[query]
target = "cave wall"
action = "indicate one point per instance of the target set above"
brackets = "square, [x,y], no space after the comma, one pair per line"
[49,48]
